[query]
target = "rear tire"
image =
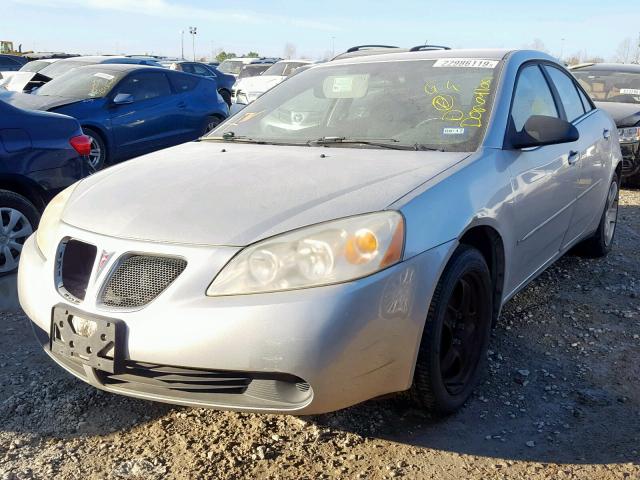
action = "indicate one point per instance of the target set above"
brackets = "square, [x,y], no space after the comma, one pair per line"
[18,220]
[600,243]
[456,334]
[98,157]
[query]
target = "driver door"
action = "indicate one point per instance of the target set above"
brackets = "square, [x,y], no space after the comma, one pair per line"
[544,181]
[147,123]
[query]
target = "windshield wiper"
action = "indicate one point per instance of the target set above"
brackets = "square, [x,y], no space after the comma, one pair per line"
[374,142]
[232,137]
[392,143]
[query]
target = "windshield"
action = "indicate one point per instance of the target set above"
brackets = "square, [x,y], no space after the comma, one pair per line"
[283,69]
[61,67]
[35,66]
[252,70]
[443,104]
[231,66]
[93,82]
[609,85]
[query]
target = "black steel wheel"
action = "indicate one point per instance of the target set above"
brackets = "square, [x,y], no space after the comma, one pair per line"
[456,334]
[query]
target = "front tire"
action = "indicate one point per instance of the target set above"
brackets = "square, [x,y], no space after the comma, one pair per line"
[601,242]
[211,122]
[456,334]
[98,155]
[18,219]
[633,180]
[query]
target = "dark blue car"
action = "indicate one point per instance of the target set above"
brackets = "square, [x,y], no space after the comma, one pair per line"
[11,63]
[40,154]
[129,110]
[224,81]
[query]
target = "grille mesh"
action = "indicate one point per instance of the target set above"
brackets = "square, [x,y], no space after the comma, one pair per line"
[139,279]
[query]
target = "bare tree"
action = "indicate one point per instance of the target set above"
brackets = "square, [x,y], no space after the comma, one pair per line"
[636,52]
[289,50]
[623,52]
[537,44]
[574,58]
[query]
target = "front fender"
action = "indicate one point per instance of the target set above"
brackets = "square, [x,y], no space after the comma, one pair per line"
[472,193]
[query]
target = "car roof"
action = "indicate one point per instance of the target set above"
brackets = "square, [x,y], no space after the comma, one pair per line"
[394,54]
[105,58]
[17,58]
[293,60]
[618,67]
[124,67]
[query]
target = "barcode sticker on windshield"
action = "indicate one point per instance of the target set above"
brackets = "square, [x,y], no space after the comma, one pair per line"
[106,76]
[630,91]
[453,131]
[466,63]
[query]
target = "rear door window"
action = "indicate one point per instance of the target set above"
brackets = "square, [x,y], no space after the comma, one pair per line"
[145,86]
[200,70]
[186,67]
[568,92]
[183,83]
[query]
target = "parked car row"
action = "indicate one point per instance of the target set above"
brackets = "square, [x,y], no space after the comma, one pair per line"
[248,88]
[616,89]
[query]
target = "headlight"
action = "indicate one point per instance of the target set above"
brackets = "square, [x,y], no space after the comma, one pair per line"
[629,135]
[47,233]
[331,252]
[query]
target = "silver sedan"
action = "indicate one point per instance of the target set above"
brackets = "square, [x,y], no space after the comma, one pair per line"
[353,232]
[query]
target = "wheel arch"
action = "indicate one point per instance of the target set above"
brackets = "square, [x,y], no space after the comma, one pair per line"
[24,187]
[100,130]
[488,241]
[618,170]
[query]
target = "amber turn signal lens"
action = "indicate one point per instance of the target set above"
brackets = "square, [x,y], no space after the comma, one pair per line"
[394,252]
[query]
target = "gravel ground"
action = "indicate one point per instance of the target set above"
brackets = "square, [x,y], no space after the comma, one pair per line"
[560,401]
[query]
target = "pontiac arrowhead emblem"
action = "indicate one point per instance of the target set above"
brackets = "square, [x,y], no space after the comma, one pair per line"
[104,259]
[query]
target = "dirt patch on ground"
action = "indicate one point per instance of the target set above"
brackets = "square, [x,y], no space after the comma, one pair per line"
[561,400]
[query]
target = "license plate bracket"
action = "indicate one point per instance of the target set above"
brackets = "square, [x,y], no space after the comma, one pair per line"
[101,347]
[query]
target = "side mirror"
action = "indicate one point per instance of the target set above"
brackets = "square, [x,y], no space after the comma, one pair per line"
[540,130]
[123,98]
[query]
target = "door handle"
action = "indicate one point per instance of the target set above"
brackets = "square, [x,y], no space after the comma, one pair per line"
[182,105]
[574,156]
[606,133]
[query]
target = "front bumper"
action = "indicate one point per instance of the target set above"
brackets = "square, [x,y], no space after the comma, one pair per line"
[304,351]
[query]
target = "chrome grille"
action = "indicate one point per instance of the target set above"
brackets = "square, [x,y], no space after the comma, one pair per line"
[139,279]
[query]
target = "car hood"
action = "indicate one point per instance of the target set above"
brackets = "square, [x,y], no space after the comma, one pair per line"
[37,102]
[624,114]
[260,83]
[211,193]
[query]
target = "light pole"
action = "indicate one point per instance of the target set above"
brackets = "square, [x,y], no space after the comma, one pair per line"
[182,44]
[561,48]
[193,32]
[333,47]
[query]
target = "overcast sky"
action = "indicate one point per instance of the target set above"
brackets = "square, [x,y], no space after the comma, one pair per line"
[154,26]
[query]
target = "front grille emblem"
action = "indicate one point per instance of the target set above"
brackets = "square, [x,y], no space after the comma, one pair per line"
[104,259]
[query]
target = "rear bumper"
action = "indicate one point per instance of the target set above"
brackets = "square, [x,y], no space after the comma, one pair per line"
[305,352]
